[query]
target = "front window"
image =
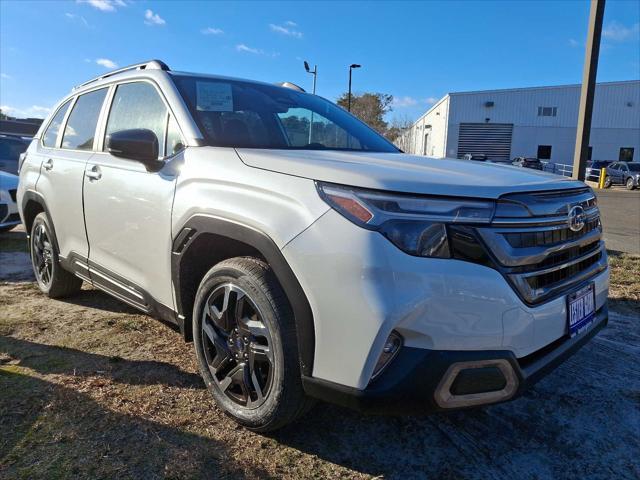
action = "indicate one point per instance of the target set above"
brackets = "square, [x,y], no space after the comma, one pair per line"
[241,114]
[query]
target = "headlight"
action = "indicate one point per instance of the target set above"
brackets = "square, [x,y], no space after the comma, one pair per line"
[418,225]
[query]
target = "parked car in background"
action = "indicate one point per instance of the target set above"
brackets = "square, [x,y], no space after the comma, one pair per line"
[527,162]
[623,173]
[9,216]
[11,146]
[593,169]
[474,156]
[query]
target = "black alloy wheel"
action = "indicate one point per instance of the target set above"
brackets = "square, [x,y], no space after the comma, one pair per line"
[237,346]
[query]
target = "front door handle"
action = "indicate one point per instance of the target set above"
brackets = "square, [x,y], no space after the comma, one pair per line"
[48,165]
[94,173]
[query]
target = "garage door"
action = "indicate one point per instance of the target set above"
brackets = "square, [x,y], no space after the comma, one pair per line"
[490,139]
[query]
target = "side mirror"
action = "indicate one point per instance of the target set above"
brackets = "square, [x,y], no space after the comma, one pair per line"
[138,144]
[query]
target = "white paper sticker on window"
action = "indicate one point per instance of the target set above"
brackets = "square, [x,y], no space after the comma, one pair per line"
[214,97]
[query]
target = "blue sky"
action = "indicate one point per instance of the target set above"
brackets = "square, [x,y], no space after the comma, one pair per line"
[416,51]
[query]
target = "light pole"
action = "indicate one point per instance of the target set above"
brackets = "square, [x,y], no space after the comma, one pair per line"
[351,67]
[313,72]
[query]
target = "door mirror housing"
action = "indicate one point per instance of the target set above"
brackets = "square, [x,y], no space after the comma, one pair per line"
[139,144]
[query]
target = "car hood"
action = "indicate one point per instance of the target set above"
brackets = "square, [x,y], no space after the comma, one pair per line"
[8,181]
[406,173]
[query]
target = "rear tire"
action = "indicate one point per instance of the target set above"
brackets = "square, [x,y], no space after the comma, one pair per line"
[630,185]
[246,345]
[53,280]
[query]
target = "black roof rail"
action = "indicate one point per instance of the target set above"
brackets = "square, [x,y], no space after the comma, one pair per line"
[148,65]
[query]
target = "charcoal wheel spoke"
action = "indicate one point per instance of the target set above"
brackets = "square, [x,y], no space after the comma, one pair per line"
[237,346]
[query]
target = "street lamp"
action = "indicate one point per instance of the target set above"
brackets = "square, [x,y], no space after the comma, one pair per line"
[351,67]
[313,72]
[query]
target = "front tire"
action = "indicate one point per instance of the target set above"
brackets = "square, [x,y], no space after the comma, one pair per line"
[246,345]
[607,182]
[630,184]
[53,280]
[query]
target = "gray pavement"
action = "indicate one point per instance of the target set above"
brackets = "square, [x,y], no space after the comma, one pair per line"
[620,213]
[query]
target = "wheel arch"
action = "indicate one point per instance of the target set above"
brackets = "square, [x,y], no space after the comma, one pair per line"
[204,241]
[33,203]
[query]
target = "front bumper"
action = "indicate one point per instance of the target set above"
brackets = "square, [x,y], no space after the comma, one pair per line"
[413,382]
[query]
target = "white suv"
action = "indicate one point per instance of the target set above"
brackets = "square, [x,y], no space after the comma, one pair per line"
[305,255]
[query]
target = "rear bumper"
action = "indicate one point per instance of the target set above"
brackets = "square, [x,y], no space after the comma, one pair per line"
[420,380]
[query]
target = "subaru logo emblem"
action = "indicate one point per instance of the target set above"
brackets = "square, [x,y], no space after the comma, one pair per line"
[576,218]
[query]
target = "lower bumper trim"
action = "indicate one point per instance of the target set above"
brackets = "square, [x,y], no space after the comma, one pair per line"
[419,380]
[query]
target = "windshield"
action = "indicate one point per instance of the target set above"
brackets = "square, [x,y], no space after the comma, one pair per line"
[633,167]
[232,113]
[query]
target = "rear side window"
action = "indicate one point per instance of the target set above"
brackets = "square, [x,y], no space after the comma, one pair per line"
[81,126]
[51,135]
[138,105]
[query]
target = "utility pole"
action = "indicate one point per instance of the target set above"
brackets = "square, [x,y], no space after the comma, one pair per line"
[592,52]
[351,67]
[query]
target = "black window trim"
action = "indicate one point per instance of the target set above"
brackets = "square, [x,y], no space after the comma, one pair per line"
[103,116]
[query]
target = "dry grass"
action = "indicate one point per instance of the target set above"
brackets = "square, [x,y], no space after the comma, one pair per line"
[624,290]
[90,388]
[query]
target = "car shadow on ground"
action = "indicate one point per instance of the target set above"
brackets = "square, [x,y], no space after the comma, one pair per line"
[91,441]
[49,359]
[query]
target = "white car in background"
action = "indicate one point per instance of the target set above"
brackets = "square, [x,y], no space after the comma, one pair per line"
[9,216]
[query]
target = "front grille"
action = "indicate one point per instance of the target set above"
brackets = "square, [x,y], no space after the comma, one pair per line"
[537,252]
[550,237]
[3,211]
[12,194]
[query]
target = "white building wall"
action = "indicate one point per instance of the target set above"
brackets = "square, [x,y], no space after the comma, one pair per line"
[616,120]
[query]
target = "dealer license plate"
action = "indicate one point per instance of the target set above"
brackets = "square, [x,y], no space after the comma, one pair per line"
[581,309]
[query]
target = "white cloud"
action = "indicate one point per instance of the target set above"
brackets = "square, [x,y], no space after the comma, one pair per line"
[106,63]
[574,43]
[618,32]
[212,31]
[241,47]
[153,18]
[406,101]
[285,31]
[77,18]
[290,23]
[5,76]
[104,5]
[34,111]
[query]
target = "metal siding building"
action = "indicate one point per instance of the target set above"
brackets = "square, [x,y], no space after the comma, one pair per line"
[527,121]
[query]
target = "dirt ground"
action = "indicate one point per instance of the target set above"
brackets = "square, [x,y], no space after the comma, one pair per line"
[89,388]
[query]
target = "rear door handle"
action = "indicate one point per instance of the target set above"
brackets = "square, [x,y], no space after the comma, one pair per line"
[48,165]
[94,173]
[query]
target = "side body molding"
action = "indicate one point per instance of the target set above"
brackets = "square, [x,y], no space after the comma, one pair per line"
[199,225]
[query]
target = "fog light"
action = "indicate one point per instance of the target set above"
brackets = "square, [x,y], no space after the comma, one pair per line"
[389,351]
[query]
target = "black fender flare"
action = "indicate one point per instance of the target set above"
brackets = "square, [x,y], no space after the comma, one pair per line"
[33,196]
[200,224]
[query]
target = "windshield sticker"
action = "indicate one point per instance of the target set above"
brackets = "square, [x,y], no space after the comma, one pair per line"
[214,97]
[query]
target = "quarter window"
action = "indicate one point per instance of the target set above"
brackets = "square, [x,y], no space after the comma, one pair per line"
[137,105]
[174,139]
[81,126]
[51,134]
